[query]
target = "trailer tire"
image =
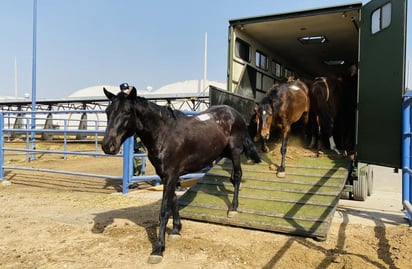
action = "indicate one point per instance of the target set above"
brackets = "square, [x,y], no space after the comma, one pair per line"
[345,195]
[360,188]
[369,177]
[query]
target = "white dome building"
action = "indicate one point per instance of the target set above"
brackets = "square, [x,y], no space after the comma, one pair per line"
[94,91]
[189,88]
[179,91]
[183,88]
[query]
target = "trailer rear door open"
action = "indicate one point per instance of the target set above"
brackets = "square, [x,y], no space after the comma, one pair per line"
[381,82]
[265,49]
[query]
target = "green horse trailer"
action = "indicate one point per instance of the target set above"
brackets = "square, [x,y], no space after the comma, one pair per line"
[306,44]
[324,42]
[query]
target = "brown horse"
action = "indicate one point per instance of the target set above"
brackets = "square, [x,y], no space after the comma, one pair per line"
[325,94]
[284,104]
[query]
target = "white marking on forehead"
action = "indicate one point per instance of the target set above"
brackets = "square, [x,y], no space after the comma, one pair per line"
[203,117]
[294,87]
[264,112]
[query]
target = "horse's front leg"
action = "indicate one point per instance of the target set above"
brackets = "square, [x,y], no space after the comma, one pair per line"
[332,143]
[166,207]
[177,224]
[235,178]
[283,149]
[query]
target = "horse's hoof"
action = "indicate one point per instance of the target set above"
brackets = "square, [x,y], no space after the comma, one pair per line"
[337,151]
[173,237]
[272,167]
[153,259]
[281,174]
[231,214]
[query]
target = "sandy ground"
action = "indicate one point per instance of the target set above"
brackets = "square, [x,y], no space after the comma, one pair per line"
[61,221]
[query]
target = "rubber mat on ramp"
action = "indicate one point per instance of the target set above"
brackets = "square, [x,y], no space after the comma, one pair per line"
[302,203]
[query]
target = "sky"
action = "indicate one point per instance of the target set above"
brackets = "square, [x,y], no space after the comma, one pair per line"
[84,43]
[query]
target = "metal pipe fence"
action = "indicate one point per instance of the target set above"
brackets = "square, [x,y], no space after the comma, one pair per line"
[406,155]
[85,130]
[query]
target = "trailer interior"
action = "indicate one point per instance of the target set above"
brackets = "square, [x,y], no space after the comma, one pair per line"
[304,44]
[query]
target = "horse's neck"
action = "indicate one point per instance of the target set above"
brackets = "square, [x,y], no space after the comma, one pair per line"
[156,123]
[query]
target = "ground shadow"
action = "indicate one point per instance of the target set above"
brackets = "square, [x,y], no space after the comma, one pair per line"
[57,181]
[145,216]
[381,219]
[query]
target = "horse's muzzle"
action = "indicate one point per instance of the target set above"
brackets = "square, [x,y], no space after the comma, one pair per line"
[109,146]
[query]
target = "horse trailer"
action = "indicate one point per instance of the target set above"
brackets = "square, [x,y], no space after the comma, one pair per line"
[307,44]
[324,42]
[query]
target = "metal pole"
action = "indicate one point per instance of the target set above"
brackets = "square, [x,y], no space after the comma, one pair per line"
[127,163]
[2,146]
[204,66]
[33,80]
[16,94]
[406,150]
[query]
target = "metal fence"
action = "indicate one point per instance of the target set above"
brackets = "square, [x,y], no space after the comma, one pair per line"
[68,126]
[406,155]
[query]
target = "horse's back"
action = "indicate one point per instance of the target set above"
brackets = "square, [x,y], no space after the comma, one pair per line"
[296,99]
[221,121]
[288,100]
[326,93]
[226,112]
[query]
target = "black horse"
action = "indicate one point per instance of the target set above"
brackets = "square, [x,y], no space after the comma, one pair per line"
[284,104]
[178,144]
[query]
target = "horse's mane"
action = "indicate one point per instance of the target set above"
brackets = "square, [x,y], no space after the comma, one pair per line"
[165,111]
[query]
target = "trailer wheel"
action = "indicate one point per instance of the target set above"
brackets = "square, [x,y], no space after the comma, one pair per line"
[369,177]
[345,195]
[360,188]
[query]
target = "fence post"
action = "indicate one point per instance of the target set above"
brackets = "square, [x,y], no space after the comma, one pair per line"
[406,156]
[405,150]
[127,163]
[2,146]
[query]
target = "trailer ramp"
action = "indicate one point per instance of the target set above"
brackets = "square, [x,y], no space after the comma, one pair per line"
[302,203]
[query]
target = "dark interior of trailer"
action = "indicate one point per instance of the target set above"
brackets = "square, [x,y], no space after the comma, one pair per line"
[315,43]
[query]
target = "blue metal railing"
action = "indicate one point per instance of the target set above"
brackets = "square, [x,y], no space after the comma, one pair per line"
[406,155]
[127,176]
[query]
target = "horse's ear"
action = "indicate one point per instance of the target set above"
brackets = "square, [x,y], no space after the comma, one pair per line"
[132,93]
[108,94]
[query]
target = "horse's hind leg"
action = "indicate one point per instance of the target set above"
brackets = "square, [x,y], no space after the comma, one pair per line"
[235,178]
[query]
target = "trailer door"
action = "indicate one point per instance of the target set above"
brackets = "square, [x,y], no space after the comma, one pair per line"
[381,82]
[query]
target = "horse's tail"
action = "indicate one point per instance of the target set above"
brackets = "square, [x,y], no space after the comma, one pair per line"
[250,150]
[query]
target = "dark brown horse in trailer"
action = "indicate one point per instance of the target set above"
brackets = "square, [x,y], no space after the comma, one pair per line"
[284,104]
[325,97]
[348,110]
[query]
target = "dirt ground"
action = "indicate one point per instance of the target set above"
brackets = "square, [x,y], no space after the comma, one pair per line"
[63,221]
